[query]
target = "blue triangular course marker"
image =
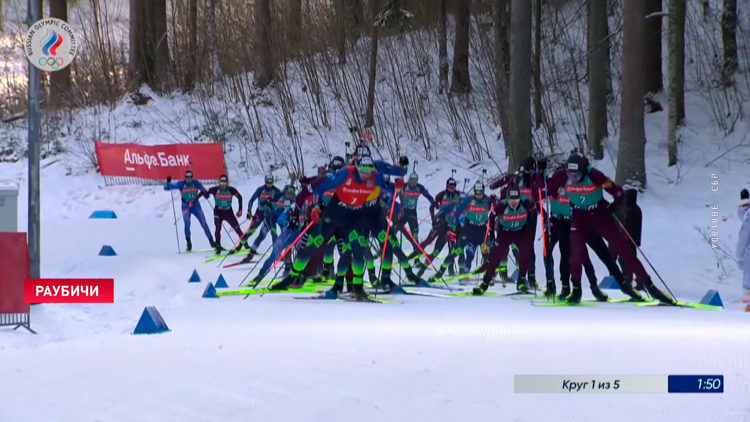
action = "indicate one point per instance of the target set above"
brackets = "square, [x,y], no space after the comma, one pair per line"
[195,278]
[107,250]
[398,290]
[151,322]
[712,298]
[423,283]
[103,214]
[221,283]
[210,291]
[610,283]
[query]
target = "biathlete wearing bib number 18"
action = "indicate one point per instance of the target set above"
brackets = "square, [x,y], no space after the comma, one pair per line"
[510,217]
[584,186]
[473,230]
[351,214]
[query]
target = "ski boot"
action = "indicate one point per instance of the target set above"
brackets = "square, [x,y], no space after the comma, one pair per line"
[335,290]
[422,268]
[480,289]
[564,292]
[598,293]
[387,285]
[438,275]
[576,295]
[414,278]
[551,289]
[656,293]
[212,243]
[451,271]
[372,276]
[286,283]
[627,288]
[218,248]
[532,282]
[359,293]
[189,247]
[521,285]
[328,271]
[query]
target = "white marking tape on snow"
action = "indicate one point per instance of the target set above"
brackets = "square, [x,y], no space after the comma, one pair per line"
[588,384]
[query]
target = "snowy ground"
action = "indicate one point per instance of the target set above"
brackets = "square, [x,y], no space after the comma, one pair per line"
[274,358]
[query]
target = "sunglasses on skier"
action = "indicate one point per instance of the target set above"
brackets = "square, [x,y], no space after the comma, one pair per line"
[575,176]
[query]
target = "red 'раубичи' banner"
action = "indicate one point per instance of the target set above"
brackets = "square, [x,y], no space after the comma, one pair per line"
[69,290]
[157,162]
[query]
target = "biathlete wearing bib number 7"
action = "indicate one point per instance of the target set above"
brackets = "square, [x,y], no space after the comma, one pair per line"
[352,214]
[585,187]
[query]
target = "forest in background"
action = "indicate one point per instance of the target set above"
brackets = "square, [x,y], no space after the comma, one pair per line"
[537,76]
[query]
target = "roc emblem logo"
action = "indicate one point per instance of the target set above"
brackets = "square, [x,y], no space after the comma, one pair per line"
[50,44]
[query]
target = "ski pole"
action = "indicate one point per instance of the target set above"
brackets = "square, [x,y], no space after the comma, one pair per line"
[644,255]
[176,233]
[252,224]
[466,182]
[428,259]
[387,234]
[288,248]
[254,267]
[185,212]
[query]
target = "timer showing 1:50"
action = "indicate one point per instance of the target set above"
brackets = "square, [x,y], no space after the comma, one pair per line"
[695,384]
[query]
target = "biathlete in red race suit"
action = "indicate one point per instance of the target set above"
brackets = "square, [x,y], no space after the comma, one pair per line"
[352,214]
[591,213]
[223,195]
[510,219]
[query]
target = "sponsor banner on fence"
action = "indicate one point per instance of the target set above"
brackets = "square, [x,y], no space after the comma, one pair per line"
[69,290]
[156,162]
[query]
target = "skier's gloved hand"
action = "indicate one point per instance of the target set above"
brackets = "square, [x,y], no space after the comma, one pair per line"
[281,221]
[744,194]
[399,183]
[239,213]
[190,204]
[315,215]
[462,220]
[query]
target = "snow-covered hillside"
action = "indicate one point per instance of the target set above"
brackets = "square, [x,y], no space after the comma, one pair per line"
[273,358]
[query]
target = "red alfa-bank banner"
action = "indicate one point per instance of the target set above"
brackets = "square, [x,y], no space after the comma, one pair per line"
[69,290]
[156,162]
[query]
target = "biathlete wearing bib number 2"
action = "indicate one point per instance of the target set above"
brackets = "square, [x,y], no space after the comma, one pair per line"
[510,217]
[584,186]
[351,214]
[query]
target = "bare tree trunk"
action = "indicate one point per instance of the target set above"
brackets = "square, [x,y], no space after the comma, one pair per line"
[631,163]
[460,80]
[157,12]
[355,18]
[59,81]
[2,24]
[373,71]
[139,62]
[341,17]
[443,45]
[538,111]
[295,24]
[501,10]
[520,83]
[213,40]
[676,72]
[597,69]
[192,68]
[652,49]
[264,73]
[729,40]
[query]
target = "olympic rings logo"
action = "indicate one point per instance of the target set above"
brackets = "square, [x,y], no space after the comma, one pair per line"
[53,62]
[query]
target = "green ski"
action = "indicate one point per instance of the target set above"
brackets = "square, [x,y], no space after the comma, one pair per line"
[560,303]
[679,305]
[223,255]
[248,291]
[470,294]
